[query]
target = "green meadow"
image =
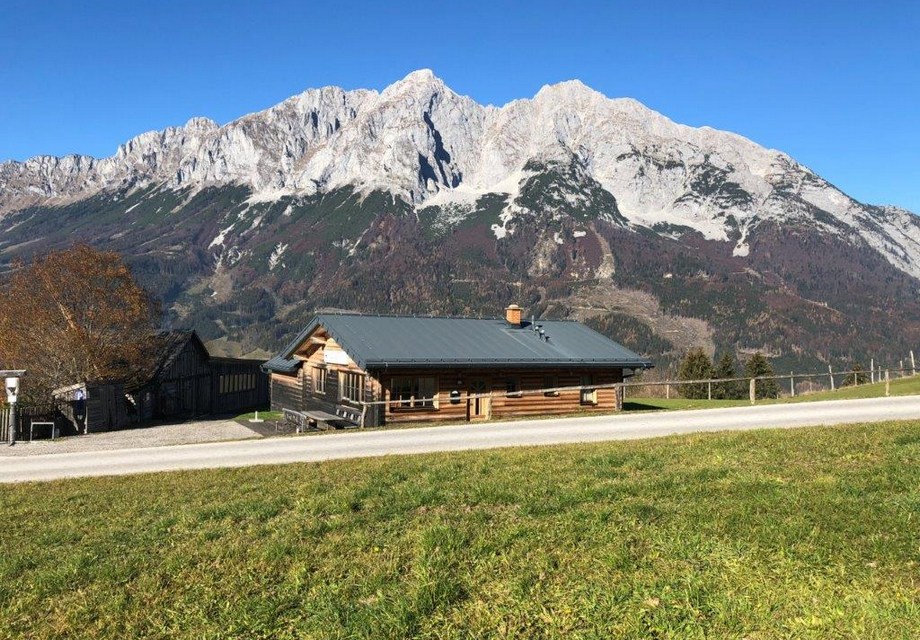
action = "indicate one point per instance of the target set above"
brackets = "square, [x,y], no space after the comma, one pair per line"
[810,533]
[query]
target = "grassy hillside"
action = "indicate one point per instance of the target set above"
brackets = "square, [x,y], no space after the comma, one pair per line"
[253,273]
[805,534]
[902,387]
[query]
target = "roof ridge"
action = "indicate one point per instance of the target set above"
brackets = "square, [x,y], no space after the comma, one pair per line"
[404,315]
[432,317]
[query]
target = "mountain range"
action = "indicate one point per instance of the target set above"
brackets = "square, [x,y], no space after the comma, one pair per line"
[419,200]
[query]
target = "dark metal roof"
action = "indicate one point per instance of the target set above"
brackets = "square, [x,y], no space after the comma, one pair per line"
[387,342]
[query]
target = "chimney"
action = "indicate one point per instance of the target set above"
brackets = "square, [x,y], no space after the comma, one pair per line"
[513,315]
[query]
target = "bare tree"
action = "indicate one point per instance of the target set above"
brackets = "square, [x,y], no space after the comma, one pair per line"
[75,315]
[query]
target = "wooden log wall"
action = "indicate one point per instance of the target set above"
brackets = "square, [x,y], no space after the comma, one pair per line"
[496,381]
[286,392]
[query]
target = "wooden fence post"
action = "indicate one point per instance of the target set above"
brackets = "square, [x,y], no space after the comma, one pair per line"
[913,364]
[887,384]
[872,371]
[667,391]
[753,390]
[830,373]
[791,384]
[709,390]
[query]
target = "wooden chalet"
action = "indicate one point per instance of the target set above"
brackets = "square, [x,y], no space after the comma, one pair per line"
[376,370]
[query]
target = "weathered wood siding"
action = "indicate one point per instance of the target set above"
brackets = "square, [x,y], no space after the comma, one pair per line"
[106,408]
[286,392]
[184,386]
[237,385]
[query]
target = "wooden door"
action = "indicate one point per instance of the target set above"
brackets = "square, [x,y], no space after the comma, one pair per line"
[203,398]
[479,406]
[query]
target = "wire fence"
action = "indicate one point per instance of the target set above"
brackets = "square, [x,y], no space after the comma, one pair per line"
[836,380]
[852,377]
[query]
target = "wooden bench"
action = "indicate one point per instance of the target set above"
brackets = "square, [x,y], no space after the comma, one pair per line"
[298,418]
[319,419]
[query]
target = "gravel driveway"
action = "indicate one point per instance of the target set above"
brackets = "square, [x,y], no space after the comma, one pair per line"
[214,430]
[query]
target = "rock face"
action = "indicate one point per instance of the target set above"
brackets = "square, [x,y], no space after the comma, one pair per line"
[538,197]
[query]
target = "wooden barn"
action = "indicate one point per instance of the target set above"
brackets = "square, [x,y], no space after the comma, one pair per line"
[187,381]
[182,381]
[437,368]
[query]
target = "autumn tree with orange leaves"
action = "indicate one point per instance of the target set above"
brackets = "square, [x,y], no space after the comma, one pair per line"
[72,316]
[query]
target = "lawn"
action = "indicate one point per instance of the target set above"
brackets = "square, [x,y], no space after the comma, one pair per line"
[901,387]
[810,533]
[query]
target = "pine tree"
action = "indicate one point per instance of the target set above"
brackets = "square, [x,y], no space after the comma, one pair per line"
[726,368]
[757,367]
[696,365]
[858,375]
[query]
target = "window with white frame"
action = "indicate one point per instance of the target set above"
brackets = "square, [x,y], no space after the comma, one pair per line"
[319,380]
[413,392]
[351,386]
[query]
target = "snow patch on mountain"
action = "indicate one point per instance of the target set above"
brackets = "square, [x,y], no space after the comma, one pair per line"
[431,147]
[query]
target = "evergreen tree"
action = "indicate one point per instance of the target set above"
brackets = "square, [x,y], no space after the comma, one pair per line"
[858,375]
[756,367]
[726,368]
[696,365]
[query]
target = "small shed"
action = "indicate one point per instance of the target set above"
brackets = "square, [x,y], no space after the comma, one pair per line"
[90,407]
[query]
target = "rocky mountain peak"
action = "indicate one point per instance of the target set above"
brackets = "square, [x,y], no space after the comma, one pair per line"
[427,145]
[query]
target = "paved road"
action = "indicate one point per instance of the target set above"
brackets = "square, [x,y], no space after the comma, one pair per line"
[453,438]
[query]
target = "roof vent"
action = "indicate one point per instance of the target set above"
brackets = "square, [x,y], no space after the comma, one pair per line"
[513,315]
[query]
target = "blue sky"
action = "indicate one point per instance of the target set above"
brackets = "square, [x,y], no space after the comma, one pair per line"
[834,84]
